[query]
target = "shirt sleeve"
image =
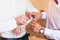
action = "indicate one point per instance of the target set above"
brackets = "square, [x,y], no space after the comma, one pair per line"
[8,25]
[44,15]
[30,7]
[52,33]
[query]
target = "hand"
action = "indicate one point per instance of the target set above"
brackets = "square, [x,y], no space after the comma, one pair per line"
[35,15]
[35,26]
[21,20]
[17,30]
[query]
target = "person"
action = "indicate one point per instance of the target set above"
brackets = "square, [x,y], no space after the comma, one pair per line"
[12,14]
[52,16]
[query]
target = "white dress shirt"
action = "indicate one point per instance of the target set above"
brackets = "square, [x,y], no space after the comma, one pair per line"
[52,29]
[9,9]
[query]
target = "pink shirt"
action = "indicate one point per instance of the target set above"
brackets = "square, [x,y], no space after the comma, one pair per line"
[52,17]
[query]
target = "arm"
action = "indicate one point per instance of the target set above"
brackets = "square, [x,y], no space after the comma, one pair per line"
[21,23]
[54,34]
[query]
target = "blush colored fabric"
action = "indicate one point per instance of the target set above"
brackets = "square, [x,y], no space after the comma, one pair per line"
[53,15]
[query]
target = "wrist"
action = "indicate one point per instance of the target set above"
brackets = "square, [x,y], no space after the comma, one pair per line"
[17,21]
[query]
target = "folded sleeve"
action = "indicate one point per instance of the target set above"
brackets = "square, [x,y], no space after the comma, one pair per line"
[8,25]
[44,15]
[55,34]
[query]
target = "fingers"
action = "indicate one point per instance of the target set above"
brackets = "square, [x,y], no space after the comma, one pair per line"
[29,14]
[33,23]
[17,31]
[34,28]
[36,16]
[22,20]
[25,17]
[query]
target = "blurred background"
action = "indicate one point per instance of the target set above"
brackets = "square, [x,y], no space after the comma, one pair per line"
[41,5]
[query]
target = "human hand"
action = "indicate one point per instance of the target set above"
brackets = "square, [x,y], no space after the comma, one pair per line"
[17,30]
[35,26]
[35,15]
[21,20]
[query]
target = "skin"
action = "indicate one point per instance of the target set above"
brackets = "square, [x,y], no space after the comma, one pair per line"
[36,15]
[20,21]
[35,26]
[17,30]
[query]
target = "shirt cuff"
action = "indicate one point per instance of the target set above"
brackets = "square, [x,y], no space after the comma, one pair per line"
[44,15]
[48,32]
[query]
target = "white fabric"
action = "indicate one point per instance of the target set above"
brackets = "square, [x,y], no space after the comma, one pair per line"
[9,9]
[52,34]
[44,15]
[52,29]
[8,25]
